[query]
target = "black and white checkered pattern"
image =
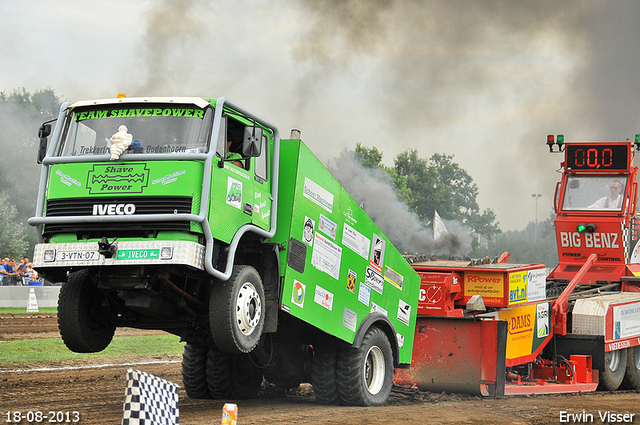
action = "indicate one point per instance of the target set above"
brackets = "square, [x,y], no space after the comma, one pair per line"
[149,400]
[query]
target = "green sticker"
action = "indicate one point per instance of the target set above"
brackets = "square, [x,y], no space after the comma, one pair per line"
[113,179]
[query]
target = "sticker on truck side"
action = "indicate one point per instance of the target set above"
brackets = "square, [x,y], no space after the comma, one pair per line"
[234,193]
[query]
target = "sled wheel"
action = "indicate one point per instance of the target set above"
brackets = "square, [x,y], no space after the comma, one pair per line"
[81,321]
[615,364]
[232,376]
[324,372]
[365,374]
[236,311]
[194,371]
[632,374]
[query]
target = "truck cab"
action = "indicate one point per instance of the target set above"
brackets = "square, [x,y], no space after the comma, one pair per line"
[595,205]
[140,204]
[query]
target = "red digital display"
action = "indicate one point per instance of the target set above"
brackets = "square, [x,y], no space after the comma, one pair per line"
[597,157]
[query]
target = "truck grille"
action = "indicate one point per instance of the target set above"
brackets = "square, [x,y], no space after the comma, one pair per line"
[76,207]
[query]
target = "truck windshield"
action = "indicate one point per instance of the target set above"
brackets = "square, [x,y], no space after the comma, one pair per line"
[153,128]
[588,193]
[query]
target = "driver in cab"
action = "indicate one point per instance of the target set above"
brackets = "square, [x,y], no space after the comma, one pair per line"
[613,200]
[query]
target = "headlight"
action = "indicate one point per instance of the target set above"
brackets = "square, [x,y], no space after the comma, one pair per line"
[166,253]
[49,255]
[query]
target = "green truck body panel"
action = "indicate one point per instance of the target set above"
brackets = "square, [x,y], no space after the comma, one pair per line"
[350,269]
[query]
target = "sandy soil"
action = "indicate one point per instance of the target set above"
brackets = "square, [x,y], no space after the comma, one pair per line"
[97,393]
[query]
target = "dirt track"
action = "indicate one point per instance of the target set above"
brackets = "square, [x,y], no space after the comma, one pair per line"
[97,393]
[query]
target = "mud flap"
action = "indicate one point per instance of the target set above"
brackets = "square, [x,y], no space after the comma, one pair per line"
[458,355]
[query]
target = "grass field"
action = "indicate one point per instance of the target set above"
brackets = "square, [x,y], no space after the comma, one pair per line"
[51,350]
[23,310]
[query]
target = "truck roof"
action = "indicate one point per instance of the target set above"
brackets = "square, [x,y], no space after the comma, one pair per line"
[198,101]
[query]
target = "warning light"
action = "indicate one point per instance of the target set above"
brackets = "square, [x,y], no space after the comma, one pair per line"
[589,228]
[553,140]
[121,96]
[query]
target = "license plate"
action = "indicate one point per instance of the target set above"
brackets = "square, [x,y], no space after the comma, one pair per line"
[76,255]
[138,254]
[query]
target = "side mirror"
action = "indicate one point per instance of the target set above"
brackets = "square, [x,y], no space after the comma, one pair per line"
[43,134]
[252,141]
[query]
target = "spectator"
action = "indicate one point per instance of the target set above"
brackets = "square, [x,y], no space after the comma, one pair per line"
[22,267]
[31,273]
[7,271]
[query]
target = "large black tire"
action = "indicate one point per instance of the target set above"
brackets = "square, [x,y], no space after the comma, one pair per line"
[232,376]
[615,364]
[194,371]
[365,374]
[632,374]
[324,372]
[236,311]
[81,318]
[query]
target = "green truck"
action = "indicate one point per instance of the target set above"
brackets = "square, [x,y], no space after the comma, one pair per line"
[192,216]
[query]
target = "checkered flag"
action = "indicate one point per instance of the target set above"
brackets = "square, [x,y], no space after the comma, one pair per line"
[149,400]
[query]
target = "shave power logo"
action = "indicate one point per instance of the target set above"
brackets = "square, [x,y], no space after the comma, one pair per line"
[114,179]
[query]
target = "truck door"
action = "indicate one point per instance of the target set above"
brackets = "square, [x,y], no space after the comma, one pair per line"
[262,187]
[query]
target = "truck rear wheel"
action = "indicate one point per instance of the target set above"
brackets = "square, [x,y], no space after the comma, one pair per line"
[81,321]
[232,375]
[615,365]
[194,371]
[632,375]
[365,374]
[324,372]
[236,311]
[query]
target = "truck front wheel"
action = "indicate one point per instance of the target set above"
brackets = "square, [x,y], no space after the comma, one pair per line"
[81,321]
[236,311]
[615,364]
[365,374]
[632,375]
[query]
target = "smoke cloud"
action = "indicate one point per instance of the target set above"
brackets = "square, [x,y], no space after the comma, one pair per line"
[373,190]
[485,80]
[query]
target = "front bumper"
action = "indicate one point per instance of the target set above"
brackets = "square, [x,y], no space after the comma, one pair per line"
[127,253]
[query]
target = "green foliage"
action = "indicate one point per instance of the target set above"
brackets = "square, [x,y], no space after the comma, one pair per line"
[437,184]
[368,157]
[21,114]
[13,233]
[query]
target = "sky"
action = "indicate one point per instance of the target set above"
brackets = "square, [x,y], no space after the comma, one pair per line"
[484,81]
